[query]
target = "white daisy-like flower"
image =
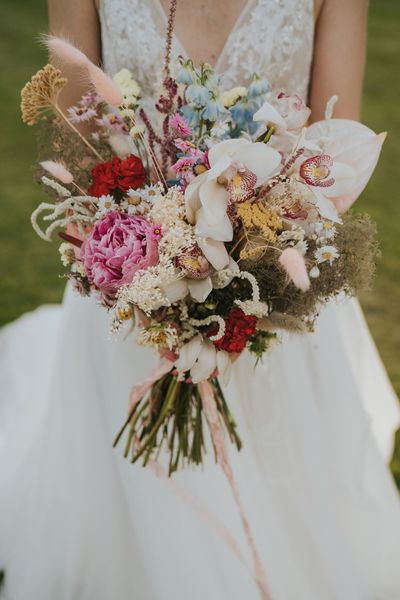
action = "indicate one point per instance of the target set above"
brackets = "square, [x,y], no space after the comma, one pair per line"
[326,254]
[134,204]
[325,230]
[106,203]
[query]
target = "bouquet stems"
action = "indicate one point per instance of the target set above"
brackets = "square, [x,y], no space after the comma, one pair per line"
[171,417]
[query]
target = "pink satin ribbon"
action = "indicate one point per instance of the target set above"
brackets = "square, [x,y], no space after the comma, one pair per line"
[211,412]
[217,436]
[164,366]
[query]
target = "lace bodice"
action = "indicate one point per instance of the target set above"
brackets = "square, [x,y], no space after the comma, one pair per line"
[271,37]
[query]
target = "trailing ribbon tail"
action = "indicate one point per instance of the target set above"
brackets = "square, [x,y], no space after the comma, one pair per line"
[211,412]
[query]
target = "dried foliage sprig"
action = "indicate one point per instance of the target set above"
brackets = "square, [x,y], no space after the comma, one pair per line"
[41,94]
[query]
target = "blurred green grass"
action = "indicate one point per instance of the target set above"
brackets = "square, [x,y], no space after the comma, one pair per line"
[29,268]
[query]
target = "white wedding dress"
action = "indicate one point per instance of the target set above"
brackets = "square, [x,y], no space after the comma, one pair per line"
[78,522]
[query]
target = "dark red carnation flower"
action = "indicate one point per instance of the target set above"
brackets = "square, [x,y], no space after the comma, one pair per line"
[239,327]
[117,174]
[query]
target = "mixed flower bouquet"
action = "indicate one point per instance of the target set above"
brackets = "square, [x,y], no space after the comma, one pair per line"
[212,228]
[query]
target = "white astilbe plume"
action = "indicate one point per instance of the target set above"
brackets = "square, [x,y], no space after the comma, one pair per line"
[294,265]
[71,210]
[60,189]
[57,170]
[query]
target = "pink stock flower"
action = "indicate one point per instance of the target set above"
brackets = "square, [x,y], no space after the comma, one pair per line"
[118,246]
[181,125]
[293,110]
[188,147]
[184,167]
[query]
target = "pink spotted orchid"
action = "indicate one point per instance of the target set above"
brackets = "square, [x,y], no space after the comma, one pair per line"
[350,145]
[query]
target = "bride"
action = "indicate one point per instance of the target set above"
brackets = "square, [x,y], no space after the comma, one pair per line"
[77,522]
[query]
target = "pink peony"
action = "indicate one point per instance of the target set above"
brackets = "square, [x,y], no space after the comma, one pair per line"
[118,246]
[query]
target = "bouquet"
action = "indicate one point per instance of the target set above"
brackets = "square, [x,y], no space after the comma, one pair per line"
[208,235]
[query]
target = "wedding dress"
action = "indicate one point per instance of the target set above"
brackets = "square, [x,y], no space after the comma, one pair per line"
[78,522]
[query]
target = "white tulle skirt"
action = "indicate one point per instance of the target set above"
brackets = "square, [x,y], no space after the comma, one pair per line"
[78,522]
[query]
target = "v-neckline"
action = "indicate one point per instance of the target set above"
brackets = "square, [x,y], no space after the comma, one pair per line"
[233,30]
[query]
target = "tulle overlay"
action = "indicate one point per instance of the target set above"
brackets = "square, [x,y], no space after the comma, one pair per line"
[77,521]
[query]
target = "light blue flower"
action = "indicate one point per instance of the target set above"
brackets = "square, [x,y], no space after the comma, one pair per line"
[213,110]
[192,116]
[212,81]
[258,86]
[242,115]
[186,73]
[197,94]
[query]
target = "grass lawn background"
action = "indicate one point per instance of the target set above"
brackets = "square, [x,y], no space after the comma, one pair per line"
[29,267]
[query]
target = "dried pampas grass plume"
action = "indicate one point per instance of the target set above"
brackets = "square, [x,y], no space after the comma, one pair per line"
[57,170]
[69,54]
[293,263]
[41,93]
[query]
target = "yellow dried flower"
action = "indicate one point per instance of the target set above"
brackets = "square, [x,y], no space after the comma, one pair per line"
[41,93]
[257,216]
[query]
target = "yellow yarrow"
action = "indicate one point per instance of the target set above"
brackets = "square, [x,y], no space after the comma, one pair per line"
[256,216]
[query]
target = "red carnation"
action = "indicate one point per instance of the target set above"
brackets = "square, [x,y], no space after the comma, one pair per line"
[239,327]
[117,174]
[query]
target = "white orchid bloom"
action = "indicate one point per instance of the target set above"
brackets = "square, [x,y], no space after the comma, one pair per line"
[269,115]
[200,357]
[207,196]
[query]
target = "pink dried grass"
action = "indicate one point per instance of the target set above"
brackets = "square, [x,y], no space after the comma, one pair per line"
[294,264]
[69,54]
[57,170]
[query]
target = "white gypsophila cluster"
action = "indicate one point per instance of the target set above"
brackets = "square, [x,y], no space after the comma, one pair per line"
[175,240]
[147,289]
[208,321]
[67,254]
[169,208]
[158,336]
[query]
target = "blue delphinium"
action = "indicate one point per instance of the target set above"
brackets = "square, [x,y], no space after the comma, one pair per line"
[186,72]
[213,110]
[258,87]
[191,115]
[198,94]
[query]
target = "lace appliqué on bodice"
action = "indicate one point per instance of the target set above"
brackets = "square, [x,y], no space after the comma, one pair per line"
[271,37]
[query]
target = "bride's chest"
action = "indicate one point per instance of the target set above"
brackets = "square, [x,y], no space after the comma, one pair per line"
[272,37]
